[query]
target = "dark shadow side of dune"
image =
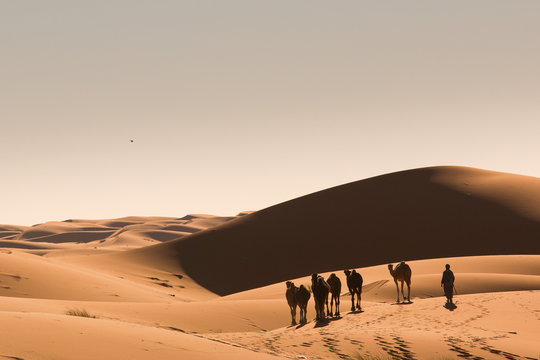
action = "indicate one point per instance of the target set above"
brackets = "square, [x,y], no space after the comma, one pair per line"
[393,217]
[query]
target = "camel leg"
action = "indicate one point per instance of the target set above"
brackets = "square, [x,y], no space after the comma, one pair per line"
[337,305]
[402,292]
[359,299]
[408,291]
[397,290]
[293,315]
[319,307]
[327,308]
[352,300]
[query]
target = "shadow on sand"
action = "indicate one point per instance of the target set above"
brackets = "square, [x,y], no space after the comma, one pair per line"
[355,312]
[450,306]
[321,323]
[403,303]
[326,321]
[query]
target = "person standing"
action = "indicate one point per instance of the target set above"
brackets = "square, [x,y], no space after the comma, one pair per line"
[447,282]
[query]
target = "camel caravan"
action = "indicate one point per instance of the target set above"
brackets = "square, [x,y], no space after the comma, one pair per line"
[331,287]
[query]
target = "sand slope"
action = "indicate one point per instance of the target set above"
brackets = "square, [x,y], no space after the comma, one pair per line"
[108,234]
[486,326]
[156,285]
[415,214]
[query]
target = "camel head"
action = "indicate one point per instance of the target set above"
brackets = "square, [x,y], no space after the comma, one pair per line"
[314,277]
[347,273]
[391,268]
[290,284]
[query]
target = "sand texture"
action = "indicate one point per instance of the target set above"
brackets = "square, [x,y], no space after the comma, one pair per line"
[210,287]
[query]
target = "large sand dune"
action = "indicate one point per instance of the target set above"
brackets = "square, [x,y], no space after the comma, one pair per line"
[416,214]
[208,287]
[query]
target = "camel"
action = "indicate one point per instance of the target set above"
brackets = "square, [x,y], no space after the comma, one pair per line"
[290,294]
[320,290]
[335,290]
[354,283]
[302,298]
[401,273]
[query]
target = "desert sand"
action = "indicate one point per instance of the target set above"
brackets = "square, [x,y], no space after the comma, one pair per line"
[210,287]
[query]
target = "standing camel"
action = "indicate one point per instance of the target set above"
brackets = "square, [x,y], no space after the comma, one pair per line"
[401,273]
[302,298]
[290,294]
[335,290]
[320,290]
[354,283]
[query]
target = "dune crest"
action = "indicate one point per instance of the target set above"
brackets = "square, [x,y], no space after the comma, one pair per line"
[415,214]
[156,285]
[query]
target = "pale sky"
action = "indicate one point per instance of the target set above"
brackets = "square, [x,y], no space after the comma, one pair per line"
[240,105]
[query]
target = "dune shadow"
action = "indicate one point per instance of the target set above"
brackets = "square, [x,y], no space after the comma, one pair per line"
[450,306]
[403,303]
[298,326]
[428,197]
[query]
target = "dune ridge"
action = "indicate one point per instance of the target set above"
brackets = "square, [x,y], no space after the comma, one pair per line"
[415,214]
[206,287]
[122,233]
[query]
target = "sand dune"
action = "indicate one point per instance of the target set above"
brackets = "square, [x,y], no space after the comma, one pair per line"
[45,336]
[474,275]
[207,287]
[415,214]
[118,234]
[485,326]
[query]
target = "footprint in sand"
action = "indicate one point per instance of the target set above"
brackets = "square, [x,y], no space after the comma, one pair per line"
[504,354]
[462,352]
[399,349]
[271,343]
[403,346]
[331,344]
[357,343]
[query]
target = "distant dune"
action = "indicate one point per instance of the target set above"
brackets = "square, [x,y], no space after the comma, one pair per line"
[416,214]
[127,232]
[211,287]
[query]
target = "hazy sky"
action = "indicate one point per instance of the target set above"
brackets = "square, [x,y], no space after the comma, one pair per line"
[239,105]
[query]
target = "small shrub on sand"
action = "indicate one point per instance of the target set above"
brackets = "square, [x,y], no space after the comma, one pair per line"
[81,313]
